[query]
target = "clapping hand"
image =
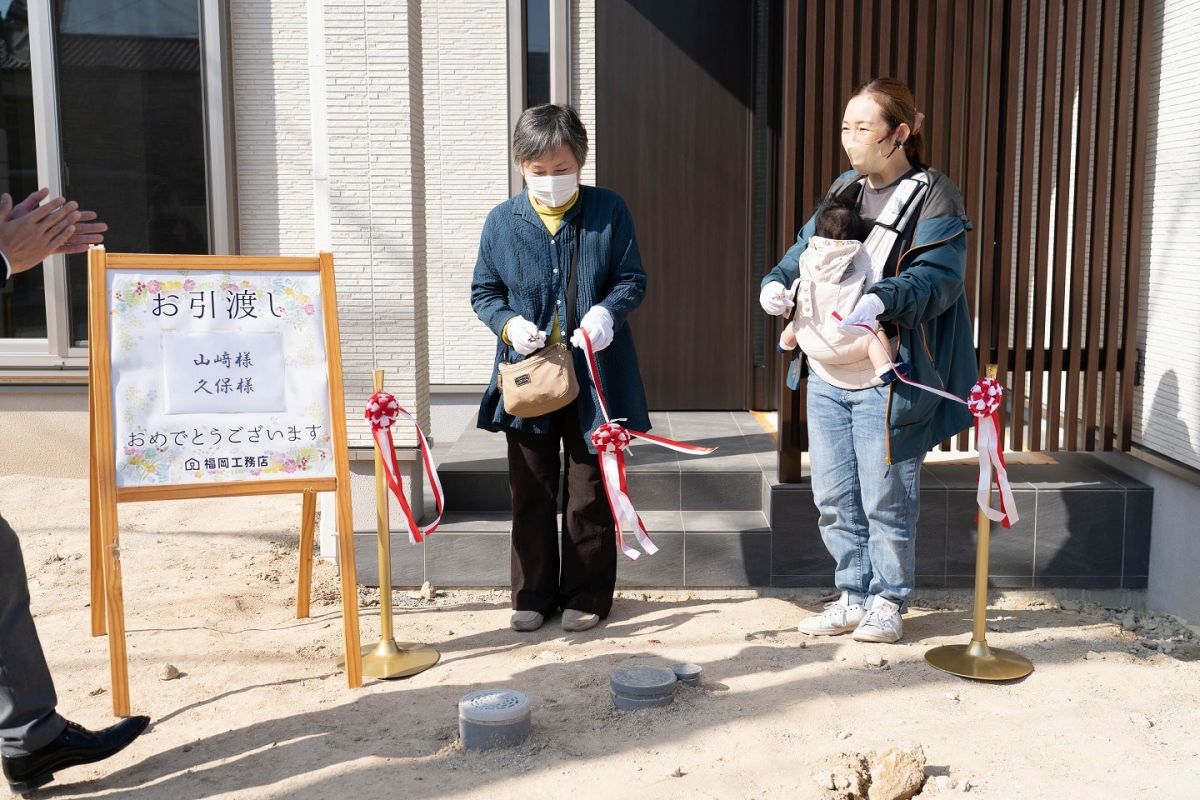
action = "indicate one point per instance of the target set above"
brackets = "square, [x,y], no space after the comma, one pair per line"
[86,230]
[31,230]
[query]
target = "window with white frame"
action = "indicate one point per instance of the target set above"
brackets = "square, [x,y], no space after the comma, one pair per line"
[103,101]
[539,45]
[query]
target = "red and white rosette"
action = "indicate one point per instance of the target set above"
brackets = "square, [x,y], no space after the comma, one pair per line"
[382,412]
[984,403]
[611,440]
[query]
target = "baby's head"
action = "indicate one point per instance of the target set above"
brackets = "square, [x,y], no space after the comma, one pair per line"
[838,218]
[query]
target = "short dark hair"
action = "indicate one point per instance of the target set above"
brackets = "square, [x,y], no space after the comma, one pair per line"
[838,218]
[547,127]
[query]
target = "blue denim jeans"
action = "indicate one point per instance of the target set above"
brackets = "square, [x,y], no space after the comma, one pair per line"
[868,508]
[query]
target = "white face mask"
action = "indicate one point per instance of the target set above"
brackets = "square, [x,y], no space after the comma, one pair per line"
[553,190]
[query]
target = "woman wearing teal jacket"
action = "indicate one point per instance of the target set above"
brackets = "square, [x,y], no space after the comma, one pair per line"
[867,441]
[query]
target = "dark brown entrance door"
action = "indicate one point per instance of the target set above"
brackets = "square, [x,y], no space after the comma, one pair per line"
[675,136]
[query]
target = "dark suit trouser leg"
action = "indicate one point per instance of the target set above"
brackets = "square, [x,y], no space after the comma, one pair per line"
[533,470]
[28,721]
[589,547]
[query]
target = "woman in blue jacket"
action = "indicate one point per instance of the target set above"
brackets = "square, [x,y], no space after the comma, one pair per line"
[867,441]
[519,290]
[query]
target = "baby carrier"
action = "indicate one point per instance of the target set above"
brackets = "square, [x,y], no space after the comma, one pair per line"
[833,275]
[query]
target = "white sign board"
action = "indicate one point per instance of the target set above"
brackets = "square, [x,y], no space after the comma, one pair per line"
[218,377]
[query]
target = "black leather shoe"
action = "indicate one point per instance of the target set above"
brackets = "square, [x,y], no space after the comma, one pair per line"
[74,746]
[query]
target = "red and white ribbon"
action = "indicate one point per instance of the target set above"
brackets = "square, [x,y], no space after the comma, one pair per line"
[984,404]
[611,440]
[382,413]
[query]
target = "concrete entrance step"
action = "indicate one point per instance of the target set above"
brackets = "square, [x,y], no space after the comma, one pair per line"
[696,548]
[1084,525]
[474,471]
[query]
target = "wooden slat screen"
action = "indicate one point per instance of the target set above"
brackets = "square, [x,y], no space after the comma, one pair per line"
[1033,109]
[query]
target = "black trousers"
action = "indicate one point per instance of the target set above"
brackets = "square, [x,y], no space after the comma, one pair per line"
[28,721]
[584,576]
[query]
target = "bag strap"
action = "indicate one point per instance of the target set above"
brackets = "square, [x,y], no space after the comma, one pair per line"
[573,284]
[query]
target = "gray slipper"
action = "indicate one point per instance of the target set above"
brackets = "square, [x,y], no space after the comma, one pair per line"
[576,621]
[526,621]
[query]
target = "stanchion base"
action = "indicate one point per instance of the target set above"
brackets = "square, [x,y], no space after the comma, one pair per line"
[390,659]
[979,662]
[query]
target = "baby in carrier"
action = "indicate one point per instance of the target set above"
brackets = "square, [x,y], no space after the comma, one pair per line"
[834,271]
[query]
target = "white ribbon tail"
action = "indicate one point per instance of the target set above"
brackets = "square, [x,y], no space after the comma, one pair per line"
[613,470]
[643,538]
[387,452]
[624,515]
[1006,493]
[670,444]
[431,474]
[987,442]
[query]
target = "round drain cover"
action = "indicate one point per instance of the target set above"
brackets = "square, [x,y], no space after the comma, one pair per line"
[624,703]
[653,682]
[688,673]
[493,718]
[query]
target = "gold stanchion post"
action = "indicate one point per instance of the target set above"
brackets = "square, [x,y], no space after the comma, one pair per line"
[977,660]
[389,659]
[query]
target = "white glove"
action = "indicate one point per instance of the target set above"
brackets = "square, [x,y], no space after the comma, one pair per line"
[599,326]
[774,299]
[525,336]
[868,307]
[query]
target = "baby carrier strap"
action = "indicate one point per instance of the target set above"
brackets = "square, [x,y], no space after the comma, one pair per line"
[893,220]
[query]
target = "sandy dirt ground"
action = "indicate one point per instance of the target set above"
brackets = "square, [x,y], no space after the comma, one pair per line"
[261,710]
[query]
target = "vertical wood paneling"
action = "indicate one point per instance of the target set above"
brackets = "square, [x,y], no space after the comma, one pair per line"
[1117,230]
[865,43]
[1082,221]
[971,29]
[1133,251]
[1062,219]
[1101,196]
[1009,122]
[1048,145]
[1027,193]
[989,216]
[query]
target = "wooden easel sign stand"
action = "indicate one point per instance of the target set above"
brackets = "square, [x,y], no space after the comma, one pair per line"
[213,376]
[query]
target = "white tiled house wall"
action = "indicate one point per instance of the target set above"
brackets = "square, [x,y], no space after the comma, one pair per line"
[373,146]
[271,116]
[1167,404]
[330,146]
[376,199]
[583,76]
[466,173]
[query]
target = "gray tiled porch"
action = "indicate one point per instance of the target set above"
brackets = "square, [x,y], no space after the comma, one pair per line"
[723,520]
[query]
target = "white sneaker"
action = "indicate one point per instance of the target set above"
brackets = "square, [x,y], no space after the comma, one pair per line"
[577,621]
[526,621]
[840,616]
[881,624]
